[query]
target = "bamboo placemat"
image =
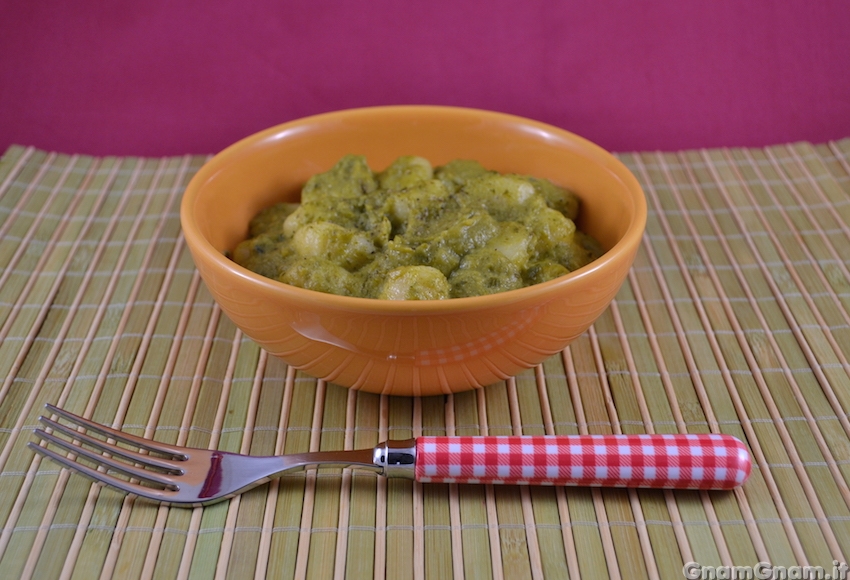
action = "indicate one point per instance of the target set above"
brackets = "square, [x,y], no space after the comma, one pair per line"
[734,319]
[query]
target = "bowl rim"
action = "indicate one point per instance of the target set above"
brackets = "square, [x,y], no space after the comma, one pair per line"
[198,244]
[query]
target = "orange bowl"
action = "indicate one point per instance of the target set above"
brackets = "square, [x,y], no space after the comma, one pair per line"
[410,347]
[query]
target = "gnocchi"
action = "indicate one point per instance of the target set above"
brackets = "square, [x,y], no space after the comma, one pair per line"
[417,232]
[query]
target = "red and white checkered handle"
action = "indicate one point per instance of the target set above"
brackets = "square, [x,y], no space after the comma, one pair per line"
[660,461]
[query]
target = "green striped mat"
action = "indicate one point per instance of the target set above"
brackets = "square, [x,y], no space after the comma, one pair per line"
[734,319]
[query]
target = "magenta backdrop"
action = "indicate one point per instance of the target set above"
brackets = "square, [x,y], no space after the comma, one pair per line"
[153,77]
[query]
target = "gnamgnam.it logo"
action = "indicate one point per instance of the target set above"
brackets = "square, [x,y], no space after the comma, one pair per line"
[766,571]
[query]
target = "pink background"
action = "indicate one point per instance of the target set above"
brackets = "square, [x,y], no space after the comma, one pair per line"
[152,77]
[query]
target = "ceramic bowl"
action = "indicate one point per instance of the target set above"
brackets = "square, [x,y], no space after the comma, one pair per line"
[411,348]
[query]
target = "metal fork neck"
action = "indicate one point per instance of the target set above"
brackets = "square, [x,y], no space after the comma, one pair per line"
[393,458]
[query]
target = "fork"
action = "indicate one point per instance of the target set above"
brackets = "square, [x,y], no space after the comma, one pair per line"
[190,477]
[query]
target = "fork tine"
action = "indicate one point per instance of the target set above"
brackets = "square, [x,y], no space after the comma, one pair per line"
[101,477]
[129,455]
[154,446]
[151,477]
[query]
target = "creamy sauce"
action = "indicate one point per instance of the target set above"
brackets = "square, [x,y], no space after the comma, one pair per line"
[414,232]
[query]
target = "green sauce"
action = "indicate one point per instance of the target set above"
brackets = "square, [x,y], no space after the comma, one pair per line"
[413,232]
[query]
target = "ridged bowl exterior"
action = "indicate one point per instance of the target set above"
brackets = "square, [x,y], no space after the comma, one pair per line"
[410,348]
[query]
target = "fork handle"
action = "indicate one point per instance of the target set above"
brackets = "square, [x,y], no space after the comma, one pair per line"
[706,461]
